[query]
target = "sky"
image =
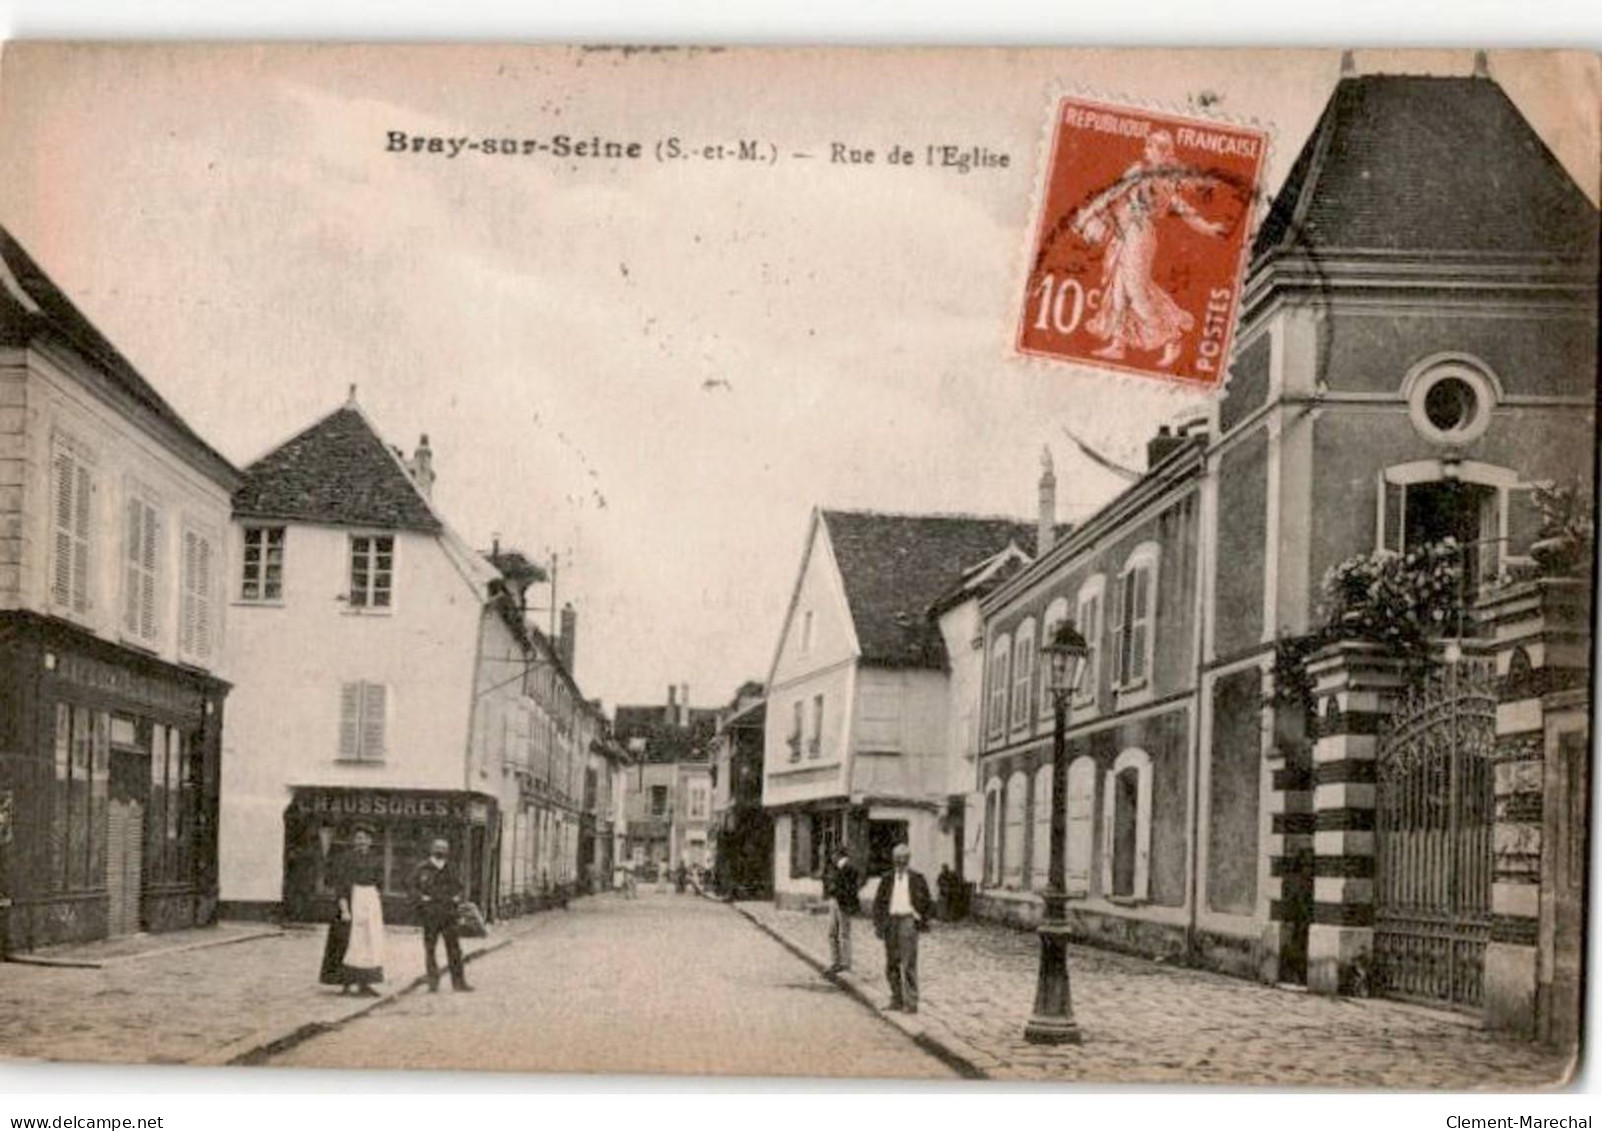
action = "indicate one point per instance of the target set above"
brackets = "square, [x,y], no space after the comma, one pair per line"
[655,369]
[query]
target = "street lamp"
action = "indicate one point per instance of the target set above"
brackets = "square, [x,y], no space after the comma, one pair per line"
[1052,1022]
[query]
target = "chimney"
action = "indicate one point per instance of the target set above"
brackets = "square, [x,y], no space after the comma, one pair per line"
[422,468]
[1162,445]
[1046,533]
[566,645]
[684,704]
[672,705]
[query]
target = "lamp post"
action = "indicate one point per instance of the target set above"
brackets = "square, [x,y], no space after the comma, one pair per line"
[1052,1022]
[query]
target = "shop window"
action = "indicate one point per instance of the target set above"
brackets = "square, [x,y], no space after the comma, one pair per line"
[372,571]
[1040,849]
[1056,613]
[1126,827]
[142,542]
[1088,620]
[1081,824]
[363,721]
[659,800]
[992,870]
[1012,848]
[71,490]
[195,624]
[174,802]
[1000,658]
[262,571]
[79,802]
[1133,608]
[1023,675]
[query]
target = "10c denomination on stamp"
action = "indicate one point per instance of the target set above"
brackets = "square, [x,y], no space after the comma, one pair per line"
[1139,248]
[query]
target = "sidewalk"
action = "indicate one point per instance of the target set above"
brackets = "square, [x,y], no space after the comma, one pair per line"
[252,991]
[1144,1022]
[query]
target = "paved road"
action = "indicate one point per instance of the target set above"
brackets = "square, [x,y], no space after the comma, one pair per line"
[664,983]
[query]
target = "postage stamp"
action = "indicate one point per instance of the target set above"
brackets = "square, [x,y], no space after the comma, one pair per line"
[1139,247]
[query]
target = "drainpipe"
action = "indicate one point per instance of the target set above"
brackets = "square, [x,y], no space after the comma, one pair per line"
[1205,519]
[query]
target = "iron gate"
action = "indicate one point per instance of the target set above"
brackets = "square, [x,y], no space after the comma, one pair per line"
[1434,825]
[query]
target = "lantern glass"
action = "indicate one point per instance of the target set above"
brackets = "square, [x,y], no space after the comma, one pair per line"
[1066,652]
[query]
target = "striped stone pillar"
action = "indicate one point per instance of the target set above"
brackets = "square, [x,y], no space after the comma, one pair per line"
[1355,687]
[1287,765]
[1542,640]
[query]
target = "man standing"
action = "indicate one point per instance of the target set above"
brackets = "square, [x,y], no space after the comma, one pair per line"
[901,908]
[841,886]
[437,892]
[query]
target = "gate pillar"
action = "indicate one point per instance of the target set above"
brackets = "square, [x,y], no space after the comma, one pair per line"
[1356,687]
[1542,640]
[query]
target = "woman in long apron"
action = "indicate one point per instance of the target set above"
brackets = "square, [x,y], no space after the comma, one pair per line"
[354,956]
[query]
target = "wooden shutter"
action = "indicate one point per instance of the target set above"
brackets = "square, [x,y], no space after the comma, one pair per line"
[133,575]
[1116,609]
[350,712]
[1143,831]
[1109,805]
[80,540]
[1139,622]
[202,641]
[375,708]
[1392,515]
[1081,824]
[186,611]
[63,469]
[147,563]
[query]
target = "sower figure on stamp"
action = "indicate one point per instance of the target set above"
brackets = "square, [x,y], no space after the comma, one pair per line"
[1135,310]
[901,908]
[437,893]
[841,885]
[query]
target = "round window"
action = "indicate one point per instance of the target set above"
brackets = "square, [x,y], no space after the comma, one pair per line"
[1451,403]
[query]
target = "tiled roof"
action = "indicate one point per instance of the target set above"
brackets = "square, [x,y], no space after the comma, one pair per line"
[895,567]
[42,306]
[337,472]
[1427,164]
[666,742]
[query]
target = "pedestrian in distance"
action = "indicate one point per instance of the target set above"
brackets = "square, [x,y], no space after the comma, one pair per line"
[353,957]
[901,908]
[842,886]
[437,894]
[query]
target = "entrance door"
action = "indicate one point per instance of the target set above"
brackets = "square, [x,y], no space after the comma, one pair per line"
[125,842]
[1434,825]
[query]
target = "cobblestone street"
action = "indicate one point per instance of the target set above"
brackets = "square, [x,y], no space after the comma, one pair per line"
[1147,1022]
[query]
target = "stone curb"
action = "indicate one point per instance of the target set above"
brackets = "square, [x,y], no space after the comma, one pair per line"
[126,959]
[261,1046]
[946,1047]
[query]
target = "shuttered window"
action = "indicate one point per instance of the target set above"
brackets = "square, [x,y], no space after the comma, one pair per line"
[1088,619]
[70,491]
[195,613]
[1133,608]
[1023,675]
[1000,674]
[1040,848]
[142,541]
[1081,824]
[363,719]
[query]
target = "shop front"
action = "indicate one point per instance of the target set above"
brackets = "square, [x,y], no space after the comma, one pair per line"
[109,763]
[320,820]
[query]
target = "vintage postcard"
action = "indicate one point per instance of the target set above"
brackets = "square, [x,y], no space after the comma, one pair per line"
[1065,565]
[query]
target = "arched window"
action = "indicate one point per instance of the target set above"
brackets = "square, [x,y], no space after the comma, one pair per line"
[1056,613]
[1134,612]
[1126,827]
[1088,617]
[1040,848]
[992,872]
[1000,667]
[1023,674]
[1081,823]
[1012,848]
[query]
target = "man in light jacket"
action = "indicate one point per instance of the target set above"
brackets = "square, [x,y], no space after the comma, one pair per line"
[901,908]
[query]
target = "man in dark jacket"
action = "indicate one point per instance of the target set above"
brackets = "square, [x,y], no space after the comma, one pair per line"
[901,908]
[437,893]
[841,885]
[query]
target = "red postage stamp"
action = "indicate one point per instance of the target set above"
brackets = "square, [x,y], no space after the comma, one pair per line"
[1140,245]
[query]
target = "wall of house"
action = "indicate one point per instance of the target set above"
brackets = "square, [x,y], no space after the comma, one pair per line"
[298,652]
[1242,533]
[41,400]
[963,632]
[1231,801]
[900,734]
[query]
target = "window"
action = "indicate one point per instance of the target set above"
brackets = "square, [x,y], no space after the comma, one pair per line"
[1088,620]
[174,808]
[363,709]
[195,627]
[992,871]
[800,845]
[806,631]
[1056,613]
[1450,398]
[1012,847]
[659,800]
[1040,849]
[697,801]
[142,541]
[1429,501]
[1126,827]
[794,741]
[1081,824]
[372,570]
[816,744]
[1000,654]
[1023,675]
[1133,609]
[263,572]
[78,813]
[592,787]
[71,489]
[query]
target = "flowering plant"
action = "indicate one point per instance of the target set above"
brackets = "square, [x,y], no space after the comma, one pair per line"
[1400,600]
[1566,543]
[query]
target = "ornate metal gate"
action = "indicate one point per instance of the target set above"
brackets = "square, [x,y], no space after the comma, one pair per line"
[1434,825]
